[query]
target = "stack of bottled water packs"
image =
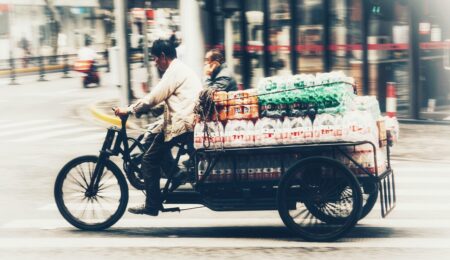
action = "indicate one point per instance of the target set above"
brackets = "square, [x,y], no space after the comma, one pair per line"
[287,106]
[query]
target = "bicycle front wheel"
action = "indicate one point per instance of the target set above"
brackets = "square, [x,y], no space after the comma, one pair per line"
[88,209]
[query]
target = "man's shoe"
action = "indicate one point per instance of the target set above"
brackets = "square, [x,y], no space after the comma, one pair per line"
[143,210]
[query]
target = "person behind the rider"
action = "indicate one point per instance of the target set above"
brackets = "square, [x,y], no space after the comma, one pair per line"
[87,53]
[178,89]
[216,73]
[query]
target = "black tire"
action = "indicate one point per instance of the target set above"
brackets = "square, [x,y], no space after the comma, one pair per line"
[73,179]
[325,194]
[369,196]
[133,172]
[85,82]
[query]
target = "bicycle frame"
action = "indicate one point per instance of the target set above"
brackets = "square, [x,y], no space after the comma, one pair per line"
[115,137]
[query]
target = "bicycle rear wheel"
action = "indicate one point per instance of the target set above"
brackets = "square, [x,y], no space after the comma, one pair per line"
[319,199]
[85,209]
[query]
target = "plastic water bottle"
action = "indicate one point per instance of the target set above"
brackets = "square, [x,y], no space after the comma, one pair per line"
[235,131]
[251,168]
[266,167]
[216,172]
[227,170]
[241,168]
[198,135]
[202,165]
[287,130]
[258,167]
[216,132]
[276,170]
[268,131]
[249,134]
[308,132]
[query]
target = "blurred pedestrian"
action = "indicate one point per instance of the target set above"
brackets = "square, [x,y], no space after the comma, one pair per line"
[216,73]
[86,64]
[24,44]
[87,53]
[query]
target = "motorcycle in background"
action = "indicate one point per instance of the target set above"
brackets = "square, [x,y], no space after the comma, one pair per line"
[88,68]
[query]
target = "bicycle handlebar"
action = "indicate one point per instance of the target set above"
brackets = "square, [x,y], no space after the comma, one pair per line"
[123,118]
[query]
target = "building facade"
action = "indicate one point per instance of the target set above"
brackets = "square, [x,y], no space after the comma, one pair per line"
[28,26]
[374,41]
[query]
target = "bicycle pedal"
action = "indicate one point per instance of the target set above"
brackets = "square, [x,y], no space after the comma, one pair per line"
[177,209]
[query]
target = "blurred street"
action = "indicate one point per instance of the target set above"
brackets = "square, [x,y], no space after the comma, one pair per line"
[43,125]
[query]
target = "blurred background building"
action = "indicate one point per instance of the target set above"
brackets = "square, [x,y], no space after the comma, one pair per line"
[51,27]
[374,41]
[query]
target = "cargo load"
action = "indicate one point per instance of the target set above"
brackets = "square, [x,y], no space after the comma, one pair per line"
[295,110]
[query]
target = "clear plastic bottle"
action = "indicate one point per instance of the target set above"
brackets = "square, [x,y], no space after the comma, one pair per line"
[308,130]
[276,167]
[235,133]
[251,168]
[198,135]
[287,130]
[227,170]
[216,132]
[258,166]
[201,170]
[266,167]
[249,134]
[268,132]
[216,172]
[241,168]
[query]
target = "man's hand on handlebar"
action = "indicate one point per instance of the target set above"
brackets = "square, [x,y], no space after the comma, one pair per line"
[120,111]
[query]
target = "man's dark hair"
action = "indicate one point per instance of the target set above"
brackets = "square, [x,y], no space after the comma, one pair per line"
[163,46]
[217,55]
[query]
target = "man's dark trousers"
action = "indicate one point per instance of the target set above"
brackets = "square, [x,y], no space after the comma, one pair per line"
[158,156]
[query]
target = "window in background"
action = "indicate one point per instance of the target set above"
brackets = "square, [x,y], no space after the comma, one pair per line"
[279,37]
[310,36]
[388,51]
[237,52]
[434,35]
[255,44]
[346,38]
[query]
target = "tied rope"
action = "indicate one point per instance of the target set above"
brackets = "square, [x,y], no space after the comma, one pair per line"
[206,109]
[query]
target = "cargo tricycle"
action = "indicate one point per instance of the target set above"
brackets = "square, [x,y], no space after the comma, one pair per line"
[317,197]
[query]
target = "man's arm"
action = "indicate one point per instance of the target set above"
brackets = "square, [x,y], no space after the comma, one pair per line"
[221,83]
[162,91]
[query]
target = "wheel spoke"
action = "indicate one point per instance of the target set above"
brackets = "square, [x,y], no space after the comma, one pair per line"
[101,206]
[82,175]
[328,200]
[300,213]
[91,209]
[78,182]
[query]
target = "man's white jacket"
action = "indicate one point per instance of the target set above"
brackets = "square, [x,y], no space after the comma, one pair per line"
[179,89]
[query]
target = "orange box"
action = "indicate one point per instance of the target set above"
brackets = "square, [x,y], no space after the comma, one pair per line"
[220,98]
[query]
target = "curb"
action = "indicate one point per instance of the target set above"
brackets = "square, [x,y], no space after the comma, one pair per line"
[423,122]
[104,117]
[110,119]
[32,69]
